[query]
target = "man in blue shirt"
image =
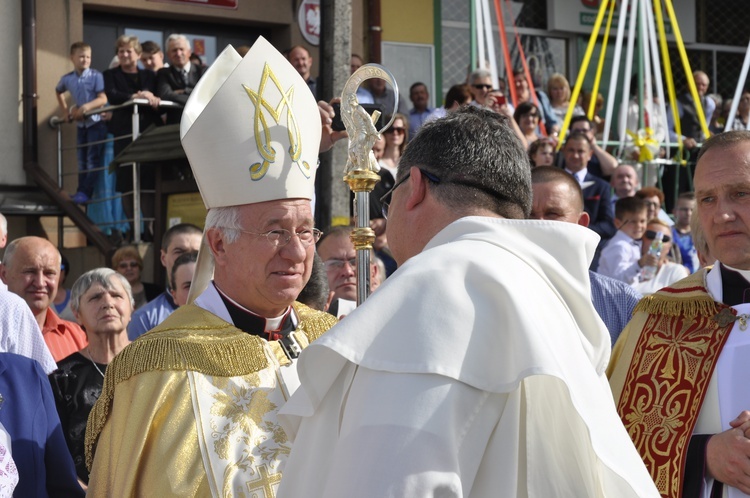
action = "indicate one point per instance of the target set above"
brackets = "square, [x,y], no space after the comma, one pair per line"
[178,240]
[86,88]
[558,196]
[420,97]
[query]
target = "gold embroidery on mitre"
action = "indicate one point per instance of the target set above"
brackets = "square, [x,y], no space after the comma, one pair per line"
[262,130]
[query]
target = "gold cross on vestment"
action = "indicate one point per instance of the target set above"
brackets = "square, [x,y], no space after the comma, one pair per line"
[265,482]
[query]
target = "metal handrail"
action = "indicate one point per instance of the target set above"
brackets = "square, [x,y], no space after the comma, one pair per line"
[55,122]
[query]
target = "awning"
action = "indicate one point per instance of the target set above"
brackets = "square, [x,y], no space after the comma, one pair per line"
[157,143]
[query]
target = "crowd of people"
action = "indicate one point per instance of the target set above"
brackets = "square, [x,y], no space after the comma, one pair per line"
[509,281]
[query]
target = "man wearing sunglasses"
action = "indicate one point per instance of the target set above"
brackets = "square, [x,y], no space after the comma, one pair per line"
[477,368]
[480,85]
[679,370]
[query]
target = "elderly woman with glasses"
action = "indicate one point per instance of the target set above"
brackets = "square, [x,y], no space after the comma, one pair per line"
[667,272]
[102,302]
[128,262]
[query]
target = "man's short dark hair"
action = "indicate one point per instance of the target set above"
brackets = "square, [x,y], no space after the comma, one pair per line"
[578,135]
[549,174]
[183,259]
[629,205]
[689,196]
[315,293]
[579,119]
[179,229]
[479,160]
[415,85]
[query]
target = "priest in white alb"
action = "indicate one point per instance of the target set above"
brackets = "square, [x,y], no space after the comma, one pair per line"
[477,368]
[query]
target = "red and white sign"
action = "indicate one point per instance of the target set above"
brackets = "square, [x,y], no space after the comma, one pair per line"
[308,17]
[221,4]
[199,47]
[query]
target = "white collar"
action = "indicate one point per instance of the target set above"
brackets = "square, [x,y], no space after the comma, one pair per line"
[210,300]
[580,175]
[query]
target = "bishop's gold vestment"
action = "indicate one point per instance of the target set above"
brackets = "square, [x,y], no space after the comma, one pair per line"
[190,408]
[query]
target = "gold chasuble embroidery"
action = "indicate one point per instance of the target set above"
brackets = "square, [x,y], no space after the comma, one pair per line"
[666,382]
[235,392]
[240,440]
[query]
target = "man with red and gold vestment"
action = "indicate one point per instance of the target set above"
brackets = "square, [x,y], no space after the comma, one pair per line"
[679,370]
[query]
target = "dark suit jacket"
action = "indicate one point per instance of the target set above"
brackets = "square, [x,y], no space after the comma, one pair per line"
[119,89]
[597,202]
[169,80]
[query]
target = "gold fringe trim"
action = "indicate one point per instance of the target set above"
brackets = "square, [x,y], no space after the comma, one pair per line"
[214,347]
[688,297]
[676,306]
[313,323]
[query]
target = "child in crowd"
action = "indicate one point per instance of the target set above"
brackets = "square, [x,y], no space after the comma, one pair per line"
[152,57]
[86,88]
[621,257]
[683,237]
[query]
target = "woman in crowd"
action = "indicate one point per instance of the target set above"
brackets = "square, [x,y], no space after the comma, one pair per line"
[523,94]
[597,121]
[527,116]
[742,118]
[542,153]
[395,141]
[667,272]
[128,263]
[558,89]
[102,302]
[654,198]
[457,96]
[121,84]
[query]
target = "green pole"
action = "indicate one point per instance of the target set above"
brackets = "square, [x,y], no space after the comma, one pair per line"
[473,33]
[641,68]
[438,44]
